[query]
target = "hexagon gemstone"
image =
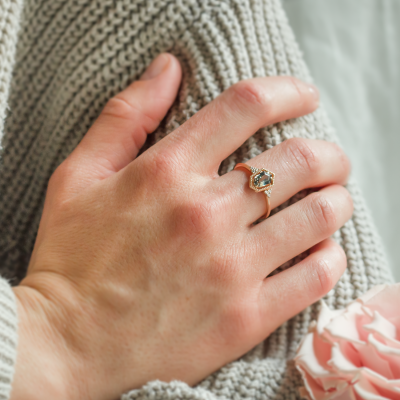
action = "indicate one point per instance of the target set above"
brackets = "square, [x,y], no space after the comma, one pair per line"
[262,179]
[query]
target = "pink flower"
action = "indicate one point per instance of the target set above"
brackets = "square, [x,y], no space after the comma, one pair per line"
[354,353]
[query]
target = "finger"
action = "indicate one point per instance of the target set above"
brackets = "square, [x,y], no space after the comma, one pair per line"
[120,131]
[221,127]
[298,227]
[286,294]
[297,164]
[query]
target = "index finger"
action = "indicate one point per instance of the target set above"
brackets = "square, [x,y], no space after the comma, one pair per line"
[218,129]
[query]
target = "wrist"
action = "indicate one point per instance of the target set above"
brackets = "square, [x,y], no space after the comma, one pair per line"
[44,367]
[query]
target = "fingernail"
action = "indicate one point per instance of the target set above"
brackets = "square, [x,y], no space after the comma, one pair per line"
[156,67]
[314,91]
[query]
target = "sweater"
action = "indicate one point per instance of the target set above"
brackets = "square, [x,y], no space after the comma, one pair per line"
[61,60]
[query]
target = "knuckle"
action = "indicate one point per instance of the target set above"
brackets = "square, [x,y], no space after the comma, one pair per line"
[295,84]
[119,108]
[341,259]
[58,182]
[251,94]
[59,175]
[303,157]
[199,217]
[324,277]
[324,213]
[343,159]
[349,200]
[165,163]
[55,178]
[162,167]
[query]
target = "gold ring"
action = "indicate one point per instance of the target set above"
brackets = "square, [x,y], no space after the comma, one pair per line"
[261,180]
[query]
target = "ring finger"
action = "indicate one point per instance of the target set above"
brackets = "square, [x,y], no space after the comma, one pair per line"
[297,164]
[298,228]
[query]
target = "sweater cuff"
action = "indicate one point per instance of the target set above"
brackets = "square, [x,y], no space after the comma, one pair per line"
[8,338]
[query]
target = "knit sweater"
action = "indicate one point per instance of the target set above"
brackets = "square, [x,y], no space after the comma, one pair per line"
[71,56]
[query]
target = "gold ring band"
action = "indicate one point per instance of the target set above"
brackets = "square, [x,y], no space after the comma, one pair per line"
[260,180]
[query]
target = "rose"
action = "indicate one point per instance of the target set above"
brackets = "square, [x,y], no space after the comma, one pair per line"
[354,353]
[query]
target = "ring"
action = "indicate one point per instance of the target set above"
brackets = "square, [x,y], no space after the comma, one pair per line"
[261,180]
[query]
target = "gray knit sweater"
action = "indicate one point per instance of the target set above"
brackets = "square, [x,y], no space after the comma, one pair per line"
[73,55]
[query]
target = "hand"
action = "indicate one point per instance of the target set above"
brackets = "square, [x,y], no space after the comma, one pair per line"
[151,268]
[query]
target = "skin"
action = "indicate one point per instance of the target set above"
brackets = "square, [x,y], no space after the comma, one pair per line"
[151,267]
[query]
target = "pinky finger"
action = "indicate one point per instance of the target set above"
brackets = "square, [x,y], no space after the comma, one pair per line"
[286,294]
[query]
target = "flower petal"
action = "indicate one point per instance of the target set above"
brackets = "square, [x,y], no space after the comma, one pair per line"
[382,326]
[390,354]
[347,394]
[385,387]
[306,358]
[379,380]
[366,391]
[383,298]
[348,325]
[314,390]
[340,363]
[326,315]
[371,358]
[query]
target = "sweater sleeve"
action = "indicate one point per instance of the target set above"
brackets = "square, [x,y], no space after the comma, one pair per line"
[9,24]
[8,338]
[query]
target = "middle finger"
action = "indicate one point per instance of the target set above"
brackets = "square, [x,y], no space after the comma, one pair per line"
[297,163]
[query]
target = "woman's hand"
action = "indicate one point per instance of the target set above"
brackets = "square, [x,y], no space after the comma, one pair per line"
[151,268]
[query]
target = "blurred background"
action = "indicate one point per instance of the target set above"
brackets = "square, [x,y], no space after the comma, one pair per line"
[352,48]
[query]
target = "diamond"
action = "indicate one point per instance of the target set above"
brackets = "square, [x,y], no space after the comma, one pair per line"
[262,179]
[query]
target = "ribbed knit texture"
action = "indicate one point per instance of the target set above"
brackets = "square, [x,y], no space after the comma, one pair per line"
[9,24]
[8,338]
[73,55]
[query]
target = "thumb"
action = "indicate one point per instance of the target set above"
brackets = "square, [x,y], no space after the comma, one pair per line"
[120,131]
